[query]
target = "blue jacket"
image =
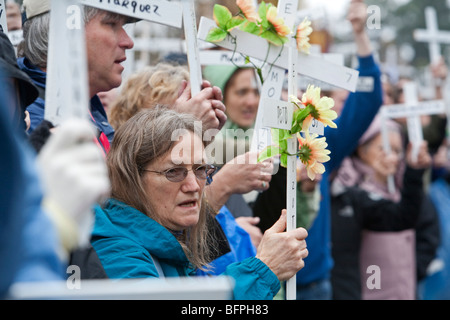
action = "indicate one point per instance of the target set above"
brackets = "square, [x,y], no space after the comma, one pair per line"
[239,240]
[37,108]
[28,241]
[437,284]
[359,110]
[127,240]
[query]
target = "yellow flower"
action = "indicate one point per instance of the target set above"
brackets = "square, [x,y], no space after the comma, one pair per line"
[313,153]
[302,36]
[320,108]
[295,100]
[248,9]
[277,22]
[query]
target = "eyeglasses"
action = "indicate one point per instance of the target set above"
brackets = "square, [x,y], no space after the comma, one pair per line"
[177,174]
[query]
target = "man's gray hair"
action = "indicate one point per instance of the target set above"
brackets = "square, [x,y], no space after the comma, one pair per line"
[35,33]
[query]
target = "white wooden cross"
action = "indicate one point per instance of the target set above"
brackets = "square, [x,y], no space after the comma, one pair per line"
[287,10]
[432,35]
[3,22]
[66,93]
[190,31]
[256,47]
[412,110]
[280,113]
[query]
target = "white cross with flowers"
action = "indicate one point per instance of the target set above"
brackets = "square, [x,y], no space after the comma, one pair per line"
[254,46]
[412,109]
[287,118]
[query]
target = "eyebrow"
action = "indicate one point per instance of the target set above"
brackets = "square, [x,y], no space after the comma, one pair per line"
[111,16]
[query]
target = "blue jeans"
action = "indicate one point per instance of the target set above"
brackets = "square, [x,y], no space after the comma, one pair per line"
[318,290]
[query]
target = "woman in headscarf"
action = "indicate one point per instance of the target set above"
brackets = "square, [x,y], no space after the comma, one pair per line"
[373,226]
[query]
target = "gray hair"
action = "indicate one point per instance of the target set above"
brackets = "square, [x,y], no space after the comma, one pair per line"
[35,43]
[144,138]
[36,31]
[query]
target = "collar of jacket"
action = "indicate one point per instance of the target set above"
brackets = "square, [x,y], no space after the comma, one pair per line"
[118,219]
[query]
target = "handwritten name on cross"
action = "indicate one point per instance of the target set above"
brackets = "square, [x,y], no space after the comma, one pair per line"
[412,110]
[159,11]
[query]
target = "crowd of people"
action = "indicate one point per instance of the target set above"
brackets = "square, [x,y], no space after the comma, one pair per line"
[119,197]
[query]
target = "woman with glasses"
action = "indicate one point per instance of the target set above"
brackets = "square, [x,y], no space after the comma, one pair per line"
[156,222]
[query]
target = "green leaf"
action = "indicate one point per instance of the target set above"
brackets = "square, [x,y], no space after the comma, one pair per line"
[262,11]
[234,22]
[216,35]
[283,145]
[272,37]
[250,27]
[221,15]
[280,134]
[301,114]
[297,127]
[283,160]
[268,152]
[279,138]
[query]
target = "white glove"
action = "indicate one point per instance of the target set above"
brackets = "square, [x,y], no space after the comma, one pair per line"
[75,177]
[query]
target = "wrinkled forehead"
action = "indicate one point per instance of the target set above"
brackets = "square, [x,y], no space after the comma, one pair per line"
[109,16]
[188,149]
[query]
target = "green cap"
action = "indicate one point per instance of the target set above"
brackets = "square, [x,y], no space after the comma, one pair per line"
[219,75]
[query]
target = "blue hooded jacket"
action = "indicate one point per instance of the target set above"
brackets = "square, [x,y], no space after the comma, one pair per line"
[127,241]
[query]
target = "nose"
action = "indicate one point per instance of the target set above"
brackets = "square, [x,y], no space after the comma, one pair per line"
[191,183]
[253,99]
[125,40]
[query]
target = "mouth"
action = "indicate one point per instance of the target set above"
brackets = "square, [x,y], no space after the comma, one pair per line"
[119,61]
[248,113]
[188,204]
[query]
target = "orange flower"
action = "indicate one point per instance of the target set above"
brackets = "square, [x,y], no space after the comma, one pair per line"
[312,154]
[320,108]
[302,36]
[248,10]
[277,22]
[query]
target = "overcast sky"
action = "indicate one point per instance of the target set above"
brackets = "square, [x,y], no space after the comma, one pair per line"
[337,8]
[333,7]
